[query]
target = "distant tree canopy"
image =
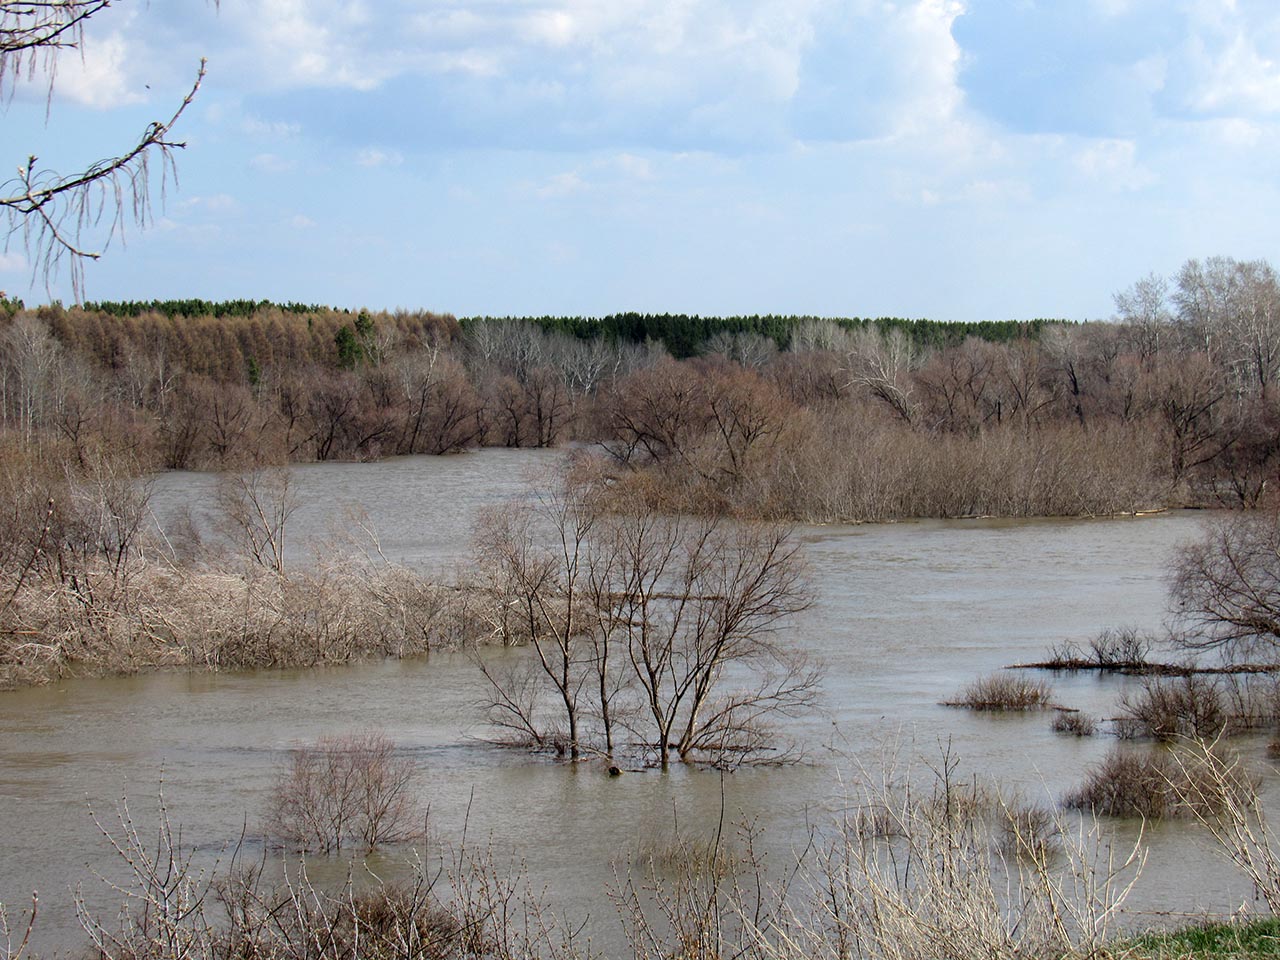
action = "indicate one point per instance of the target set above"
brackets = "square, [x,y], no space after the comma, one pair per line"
[201,308]
[686,335]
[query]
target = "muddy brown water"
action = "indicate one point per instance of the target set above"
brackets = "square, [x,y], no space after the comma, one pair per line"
[905,615]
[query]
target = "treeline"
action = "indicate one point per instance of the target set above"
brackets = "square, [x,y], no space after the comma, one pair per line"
[684,335]
[1173,402]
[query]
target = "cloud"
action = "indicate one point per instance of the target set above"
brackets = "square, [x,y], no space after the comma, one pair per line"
[1115,163]
[217,203]
[271,163]
[1116,68]
[99,77]
[301,221]
[12,262]
[561,185]
[270,129]
[374,157]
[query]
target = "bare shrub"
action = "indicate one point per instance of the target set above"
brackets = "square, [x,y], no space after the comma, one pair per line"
[1073,722]
[713,856]
[254,514]
[944,885]
[1128,784]
[171,909]
[1223,796]
[1157,784]
[1174,708]
[342,789]
[1120,647]
[1005,691]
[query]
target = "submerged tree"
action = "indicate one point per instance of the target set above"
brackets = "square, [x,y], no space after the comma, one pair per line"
[1226,587]
[662,627]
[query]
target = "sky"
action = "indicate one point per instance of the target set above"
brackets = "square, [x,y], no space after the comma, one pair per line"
[949,159]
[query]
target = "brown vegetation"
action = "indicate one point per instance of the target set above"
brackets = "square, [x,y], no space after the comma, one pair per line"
[954,873]
[1226,587]
[826,421]
[1158,784]
[1173,709]
[1005,691]
[344,789]
[635,624]
[1073,722]
[87,588]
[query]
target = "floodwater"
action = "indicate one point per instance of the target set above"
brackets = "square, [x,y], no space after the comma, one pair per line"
[905,615]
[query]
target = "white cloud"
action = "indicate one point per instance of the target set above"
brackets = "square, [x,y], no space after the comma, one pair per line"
[99,76]
[375,157]
[1237,78]
[562,185]
[930,57]
[270,129]
[301,221]
[271,163]
[218,203]
[1115,162]
[12,262]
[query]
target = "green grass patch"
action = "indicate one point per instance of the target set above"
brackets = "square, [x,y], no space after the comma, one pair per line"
[1219,941]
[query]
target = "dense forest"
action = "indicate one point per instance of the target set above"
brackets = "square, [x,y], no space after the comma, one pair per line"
[1173,402]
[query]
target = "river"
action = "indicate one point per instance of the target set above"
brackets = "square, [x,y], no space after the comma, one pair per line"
[906,614]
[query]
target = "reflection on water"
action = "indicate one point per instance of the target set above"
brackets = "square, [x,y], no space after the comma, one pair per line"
[906,614]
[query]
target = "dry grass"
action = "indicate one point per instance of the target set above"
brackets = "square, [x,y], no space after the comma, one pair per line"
[959,879]
[1005,691]
[219,617]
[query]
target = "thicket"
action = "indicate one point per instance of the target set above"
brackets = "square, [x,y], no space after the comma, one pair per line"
[87,586]
[1175,402]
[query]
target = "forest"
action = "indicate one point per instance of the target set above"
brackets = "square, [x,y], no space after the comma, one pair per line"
[1170,403]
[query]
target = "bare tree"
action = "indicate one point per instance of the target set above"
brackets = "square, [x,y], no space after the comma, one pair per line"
[52,211]
[883,364]
[535,577]
[1144,310]
[654,618]
[255,510]
[1226,586]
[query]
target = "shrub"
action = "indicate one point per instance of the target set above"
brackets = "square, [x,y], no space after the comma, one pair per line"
[1025,830]
[1074,722]
[1128,784]
[345,788]
[1005,691]
[1166,709]
[1159,784]
[1120,647]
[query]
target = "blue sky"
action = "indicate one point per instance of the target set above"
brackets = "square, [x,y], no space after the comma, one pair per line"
[953,159]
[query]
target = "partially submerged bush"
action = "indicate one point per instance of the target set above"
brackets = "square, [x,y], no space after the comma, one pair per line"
[1005,691]
[1074,722]
[1173,708]
[1128,784]
[344,789]
[1120,647]
[704,857]
[1157,784]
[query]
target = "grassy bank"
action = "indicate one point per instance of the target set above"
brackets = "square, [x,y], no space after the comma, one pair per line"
[1208,940]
